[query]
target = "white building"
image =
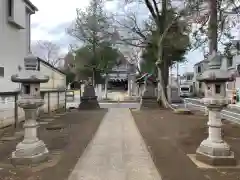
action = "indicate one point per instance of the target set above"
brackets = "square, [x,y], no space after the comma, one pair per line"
[57,78]
[122,74]
[187,78]
[231,64]
[199,68]
[14,39]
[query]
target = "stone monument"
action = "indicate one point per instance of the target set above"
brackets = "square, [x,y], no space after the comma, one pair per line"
[214,150]
[148,99]
[31,149]
[89,98]
[173,94]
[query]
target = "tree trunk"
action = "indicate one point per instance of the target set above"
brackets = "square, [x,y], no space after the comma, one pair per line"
[213,27]
[165,75]
[94,77]
[163,67]
[162,99]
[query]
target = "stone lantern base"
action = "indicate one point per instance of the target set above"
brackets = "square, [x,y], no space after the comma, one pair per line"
[29,153]
[149,103]
[89,103]
[149,100]
[89,99]
[216,154]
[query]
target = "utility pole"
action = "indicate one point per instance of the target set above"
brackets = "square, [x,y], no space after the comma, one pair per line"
[178,84]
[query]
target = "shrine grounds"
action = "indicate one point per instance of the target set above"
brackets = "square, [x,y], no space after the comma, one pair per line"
[170,139]
[66,138]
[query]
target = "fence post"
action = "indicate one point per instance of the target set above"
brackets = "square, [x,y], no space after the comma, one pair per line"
[80,90]
[48,96]
[73,95]
[58,99]
[65,100]
[15,111]
[40,111]
[185,103]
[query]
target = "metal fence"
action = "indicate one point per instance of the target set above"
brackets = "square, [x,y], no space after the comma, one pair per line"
[11,114]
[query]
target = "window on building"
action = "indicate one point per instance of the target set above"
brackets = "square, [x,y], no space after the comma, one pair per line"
[191,88]
[189,77]
[10,8]
[199,69]
[217,88]
[1,71]
[229,61]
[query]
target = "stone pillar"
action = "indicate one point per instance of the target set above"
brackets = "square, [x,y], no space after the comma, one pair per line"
[134,85]
[131,85]
[214,150]
[106,85]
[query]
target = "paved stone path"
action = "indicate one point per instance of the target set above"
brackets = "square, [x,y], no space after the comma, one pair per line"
[117,152]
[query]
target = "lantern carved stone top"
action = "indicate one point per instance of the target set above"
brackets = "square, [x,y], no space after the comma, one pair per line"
[215,73]
[215,80]
[30,74]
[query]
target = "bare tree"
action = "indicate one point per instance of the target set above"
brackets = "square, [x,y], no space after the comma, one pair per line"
[133,56]
[187,12]
[131,27]
[47,50]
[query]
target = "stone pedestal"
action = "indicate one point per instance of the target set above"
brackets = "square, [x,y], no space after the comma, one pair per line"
[173,95]
[31,150]
[214,150]
[89,99]
[149,100]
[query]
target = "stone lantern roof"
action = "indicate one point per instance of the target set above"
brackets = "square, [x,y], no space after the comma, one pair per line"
[30,74]
[214,73]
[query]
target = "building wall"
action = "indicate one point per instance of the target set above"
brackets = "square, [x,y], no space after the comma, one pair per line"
[13,46]
[122,67]
[231,68]
[198,86]
[57,80]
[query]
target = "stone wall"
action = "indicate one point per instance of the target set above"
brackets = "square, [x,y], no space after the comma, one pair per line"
[8,103]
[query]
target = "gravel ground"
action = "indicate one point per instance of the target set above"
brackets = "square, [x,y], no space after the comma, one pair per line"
[66,140]
[170,137]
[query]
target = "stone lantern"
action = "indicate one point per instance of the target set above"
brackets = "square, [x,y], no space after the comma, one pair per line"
[31,149]
[89,98]
[214,150]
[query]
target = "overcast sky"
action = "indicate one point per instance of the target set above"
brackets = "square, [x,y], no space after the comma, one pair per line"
[50,23]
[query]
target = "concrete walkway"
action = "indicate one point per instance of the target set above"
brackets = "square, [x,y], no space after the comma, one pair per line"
[117,152]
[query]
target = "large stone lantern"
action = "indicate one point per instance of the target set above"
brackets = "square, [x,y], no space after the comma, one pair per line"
[31,149]
[214,150]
